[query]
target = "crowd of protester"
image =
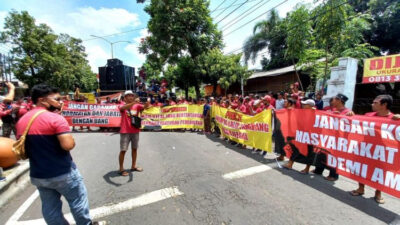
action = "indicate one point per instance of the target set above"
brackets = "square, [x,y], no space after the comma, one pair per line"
[158,96]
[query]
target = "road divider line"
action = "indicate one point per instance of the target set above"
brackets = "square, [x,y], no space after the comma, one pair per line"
[21,210]
[246,172]
[104,211]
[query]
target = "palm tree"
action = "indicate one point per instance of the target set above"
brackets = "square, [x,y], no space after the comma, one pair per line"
[268,34]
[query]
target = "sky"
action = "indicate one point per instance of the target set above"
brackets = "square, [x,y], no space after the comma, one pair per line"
[127,20]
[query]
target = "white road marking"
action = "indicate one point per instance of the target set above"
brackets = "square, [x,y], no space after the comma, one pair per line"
[246,172]
[103,211]
[21,210]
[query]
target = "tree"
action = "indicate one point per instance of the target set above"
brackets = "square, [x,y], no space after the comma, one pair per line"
[337,29]
[179,74]
[268,35]
[384,32]
[299,35]
[40,56]
[180,28]
[218,68]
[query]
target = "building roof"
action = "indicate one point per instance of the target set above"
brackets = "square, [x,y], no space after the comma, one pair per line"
[272,73]
[280,71]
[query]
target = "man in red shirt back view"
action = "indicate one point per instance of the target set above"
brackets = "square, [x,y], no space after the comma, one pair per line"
[129,133]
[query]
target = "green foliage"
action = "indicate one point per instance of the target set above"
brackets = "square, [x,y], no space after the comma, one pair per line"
[268,35]
[218,68]
[384,32]
[360,52]
[40,56]
[299,34]
[180,31]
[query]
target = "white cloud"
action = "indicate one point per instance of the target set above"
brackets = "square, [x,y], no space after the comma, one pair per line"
[133,48]
[3,15]
[143,33]
[97,57]
[84,22]
[104,20]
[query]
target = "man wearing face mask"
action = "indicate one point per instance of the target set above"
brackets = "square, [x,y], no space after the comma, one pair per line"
[52,170]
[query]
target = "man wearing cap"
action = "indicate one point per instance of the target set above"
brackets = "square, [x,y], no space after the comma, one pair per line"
[338,103]
[129,133]
[267,102]
[296,155]
[381,107]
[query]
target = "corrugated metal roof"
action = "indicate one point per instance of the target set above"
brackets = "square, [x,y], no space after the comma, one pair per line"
[272,73]
[280,71]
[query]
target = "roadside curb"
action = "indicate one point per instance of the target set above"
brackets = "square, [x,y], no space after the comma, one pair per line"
[15,182]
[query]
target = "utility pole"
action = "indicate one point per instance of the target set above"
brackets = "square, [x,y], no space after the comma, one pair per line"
[111,44]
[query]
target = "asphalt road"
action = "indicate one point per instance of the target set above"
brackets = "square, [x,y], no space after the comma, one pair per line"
[189,168]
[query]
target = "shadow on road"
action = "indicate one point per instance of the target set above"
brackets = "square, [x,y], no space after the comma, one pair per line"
[114,174]
[366,205]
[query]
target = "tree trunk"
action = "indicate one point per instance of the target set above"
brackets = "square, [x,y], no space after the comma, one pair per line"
[297,74]
[186,92]
[326,69]
[214,92]
[197,89]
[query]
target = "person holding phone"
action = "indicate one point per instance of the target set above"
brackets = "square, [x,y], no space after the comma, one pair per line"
[129,131]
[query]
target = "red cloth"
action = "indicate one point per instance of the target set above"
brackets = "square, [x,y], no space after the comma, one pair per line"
[126,125]
[4,111]
[272,101]
[343,112]
[372,114]
[244,109]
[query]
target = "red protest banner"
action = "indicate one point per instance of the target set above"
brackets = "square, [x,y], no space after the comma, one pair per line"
[93,115]
[359,147]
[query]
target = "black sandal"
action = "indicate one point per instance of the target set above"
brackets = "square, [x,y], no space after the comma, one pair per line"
[123,173]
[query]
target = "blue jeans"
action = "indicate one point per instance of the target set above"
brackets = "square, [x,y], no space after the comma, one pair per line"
[70,186]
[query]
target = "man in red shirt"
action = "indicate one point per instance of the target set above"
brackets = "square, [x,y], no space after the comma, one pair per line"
[244,107]
[267,102]
[381,108]
[129,133]
[338,107]
[52,169]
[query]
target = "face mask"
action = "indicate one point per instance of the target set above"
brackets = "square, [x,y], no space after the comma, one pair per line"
[52,108]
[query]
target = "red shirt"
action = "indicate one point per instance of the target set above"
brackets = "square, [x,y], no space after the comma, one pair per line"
[273,101]
[244,109]
[158,104]
[234,105]
[343,112]
[372,114]
[270,107]
[298,104]
[47,158]
[126,125]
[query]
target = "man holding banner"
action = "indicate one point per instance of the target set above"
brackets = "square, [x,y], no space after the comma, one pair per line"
[381,108]
[338,103]
[129,132]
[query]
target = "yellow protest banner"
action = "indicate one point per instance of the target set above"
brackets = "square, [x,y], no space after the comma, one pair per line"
[254,131]
[91,99]
[382,69]
[174,117]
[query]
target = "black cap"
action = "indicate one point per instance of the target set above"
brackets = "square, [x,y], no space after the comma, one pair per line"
[342,97]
